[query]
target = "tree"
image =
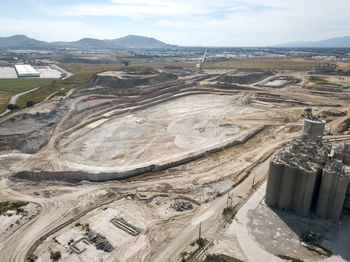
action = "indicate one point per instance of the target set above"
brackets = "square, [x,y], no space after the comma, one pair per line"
[55,255]
[30,103]
[12,107]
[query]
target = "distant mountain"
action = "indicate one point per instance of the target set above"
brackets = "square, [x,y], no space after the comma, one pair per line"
[21,41]
[85,43]
[135,41]
[127,42]
[337,42]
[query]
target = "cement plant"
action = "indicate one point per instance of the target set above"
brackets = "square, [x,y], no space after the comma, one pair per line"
[197,154]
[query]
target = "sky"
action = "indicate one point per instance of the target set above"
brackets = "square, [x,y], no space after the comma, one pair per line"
[180,22]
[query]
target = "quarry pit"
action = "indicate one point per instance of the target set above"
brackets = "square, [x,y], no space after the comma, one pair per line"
[152,141]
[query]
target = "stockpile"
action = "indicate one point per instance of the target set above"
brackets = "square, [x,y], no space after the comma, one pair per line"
[182,206]
[99,241]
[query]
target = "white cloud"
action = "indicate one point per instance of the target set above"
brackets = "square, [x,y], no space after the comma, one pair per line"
[52,30]
[195,22]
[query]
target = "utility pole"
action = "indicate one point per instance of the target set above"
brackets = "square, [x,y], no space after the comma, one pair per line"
[253,180]
[200,229]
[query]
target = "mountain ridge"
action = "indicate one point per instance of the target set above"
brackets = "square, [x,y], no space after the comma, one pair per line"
[335,42]
[126,42]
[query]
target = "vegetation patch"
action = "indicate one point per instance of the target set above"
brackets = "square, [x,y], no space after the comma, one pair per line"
[241,179]
[201,243]
[139,70]
[288,258]
[55,255]
[18,85]
[32,258]
[220,258]
[318,249]
[311,244]
[318,80]
[265,63]
[229,213]
[10,87]
[58,87]
[7,205]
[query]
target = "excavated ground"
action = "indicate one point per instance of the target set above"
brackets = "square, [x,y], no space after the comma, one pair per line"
[121,125]
[196,115]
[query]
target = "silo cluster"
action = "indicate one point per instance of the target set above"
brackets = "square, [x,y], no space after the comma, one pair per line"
[309,175]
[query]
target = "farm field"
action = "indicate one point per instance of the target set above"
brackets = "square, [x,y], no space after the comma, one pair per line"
[271,63]
[10,87]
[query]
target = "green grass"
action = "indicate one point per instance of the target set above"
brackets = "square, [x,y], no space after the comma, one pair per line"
[10,87]
[15,86]
[4,100]
[59,87]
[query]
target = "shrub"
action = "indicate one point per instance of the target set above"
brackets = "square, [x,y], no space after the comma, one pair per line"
[29,103]
[55,255]
[12,107]
[292,259]
[32,258]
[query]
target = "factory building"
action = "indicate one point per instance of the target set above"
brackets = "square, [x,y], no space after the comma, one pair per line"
[26,71]
[310,175]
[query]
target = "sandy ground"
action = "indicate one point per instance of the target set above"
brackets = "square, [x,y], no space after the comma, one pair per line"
[161,133]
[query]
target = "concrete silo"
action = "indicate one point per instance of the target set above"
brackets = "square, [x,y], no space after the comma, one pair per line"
[290,187]
[313,127]
[310,174]
[333,189]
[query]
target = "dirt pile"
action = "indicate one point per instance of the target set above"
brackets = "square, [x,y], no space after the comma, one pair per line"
[127,84]
[248,78]
[99,241]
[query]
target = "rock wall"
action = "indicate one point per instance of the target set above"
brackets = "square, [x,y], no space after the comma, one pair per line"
[29,132]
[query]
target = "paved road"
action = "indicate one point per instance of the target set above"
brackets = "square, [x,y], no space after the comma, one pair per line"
[251,249]
[68,74]
[208,215]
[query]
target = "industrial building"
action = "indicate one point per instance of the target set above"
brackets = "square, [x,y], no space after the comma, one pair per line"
[327,67]
[310,175]
[26,71]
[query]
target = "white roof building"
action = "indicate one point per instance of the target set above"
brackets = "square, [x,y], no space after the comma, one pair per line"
[26,71]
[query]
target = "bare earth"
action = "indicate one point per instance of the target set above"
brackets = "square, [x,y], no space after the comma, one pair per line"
[105,130]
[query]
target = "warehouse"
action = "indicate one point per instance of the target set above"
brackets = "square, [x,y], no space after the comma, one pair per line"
[26,71]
